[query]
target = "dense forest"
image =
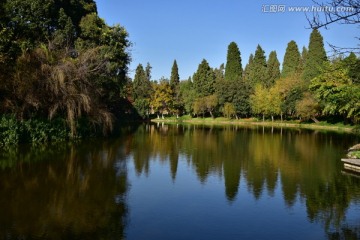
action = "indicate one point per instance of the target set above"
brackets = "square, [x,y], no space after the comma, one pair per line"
[62,70]
[309,86]
[64,75]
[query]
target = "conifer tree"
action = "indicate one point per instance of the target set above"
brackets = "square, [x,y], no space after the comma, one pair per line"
[272,70]
[302,60]
[248,69]
[233,70]
[257,72]
[291,60]
[175,78]
[204,80]
[141,85]
[315,58]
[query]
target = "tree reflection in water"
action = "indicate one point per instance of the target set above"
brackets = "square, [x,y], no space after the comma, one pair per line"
[305,163]
[79,191]
[73,192]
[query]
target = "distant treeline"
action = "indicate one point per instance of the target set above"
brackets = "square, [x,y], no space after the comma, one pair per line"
[309,86]
[64,74]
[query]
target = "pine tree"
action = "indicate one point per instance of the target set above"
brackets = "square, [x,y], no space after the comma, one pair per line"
[257,69]
[248,69]
[174,79]
[141,85]
[204,80]
[302,60]
[315,58]
[233,71]
[272,70]
[148,71]
[291,60]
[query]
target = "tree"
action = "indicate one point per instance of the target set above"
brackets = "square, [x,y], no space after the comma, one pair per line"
[174,79]
[249,69]
[257,70]
[204,80]
[291,60]
[162,99]
[188,94]
[211,103]
[233,70]
[142,92]
[308,108]
[148,71]
[175,87]
[336,91]
[199,106]
[353,64]
[141,85]
[258,100]
[272,70]
[302,60]
[315,58]
[229,110]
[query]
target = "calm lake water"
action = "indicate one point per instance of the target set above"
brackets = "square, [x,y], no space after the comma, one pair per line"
[183,182]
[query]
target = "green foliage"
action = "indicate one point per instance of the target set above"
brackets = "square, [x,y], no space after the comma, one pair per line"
[229,110]
[204,80]
[291,60]
[336,91]
[272,70]
[255,71]
[13,131]
[142,107]
[58,59]
[141,85]
[308,107]
[353,64]
[188,94]
[174,78]
[162,100]
[315,58]
[233,70]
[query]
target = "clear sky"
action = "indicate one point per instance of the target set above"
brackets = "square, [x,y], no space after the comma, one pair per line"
[190,30]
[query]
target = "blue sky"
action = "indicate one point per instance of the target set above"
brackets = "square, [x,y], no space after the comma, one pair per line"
[190,30]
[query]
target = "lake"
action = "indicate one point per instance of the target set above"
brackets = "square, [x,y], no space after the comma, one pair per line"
[183,182]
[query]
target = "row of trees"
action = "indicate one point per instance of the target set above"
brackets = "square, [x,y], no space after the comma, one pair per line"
[308,86]
[59,59]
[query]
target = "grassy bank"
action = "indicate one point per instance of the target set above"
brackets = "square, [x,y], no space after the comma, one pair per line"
[255,122]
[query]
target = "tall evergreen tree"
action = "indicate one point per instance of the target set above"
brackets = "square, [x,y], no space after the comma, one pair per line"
[291,60]
[141,85]
[175,78]
[257,69]
[272,70]
[315,58]
[219,73]
[248,69]
[148,71]
[204,80]
[233,71]
[302,60]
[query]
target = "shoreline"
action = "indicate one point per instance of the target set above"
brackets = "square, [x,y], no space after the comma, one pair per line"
[312,126]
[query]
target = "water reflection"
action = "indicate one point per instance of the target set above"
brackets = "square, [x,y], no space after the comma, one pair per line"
[305,163]
[75,192]
[79,191]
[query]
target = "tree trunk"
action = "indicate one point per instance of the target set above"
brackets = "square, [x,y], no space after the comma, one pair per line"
[314,119]
[281,116]
[211,114]
[263,117]
[272,118]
